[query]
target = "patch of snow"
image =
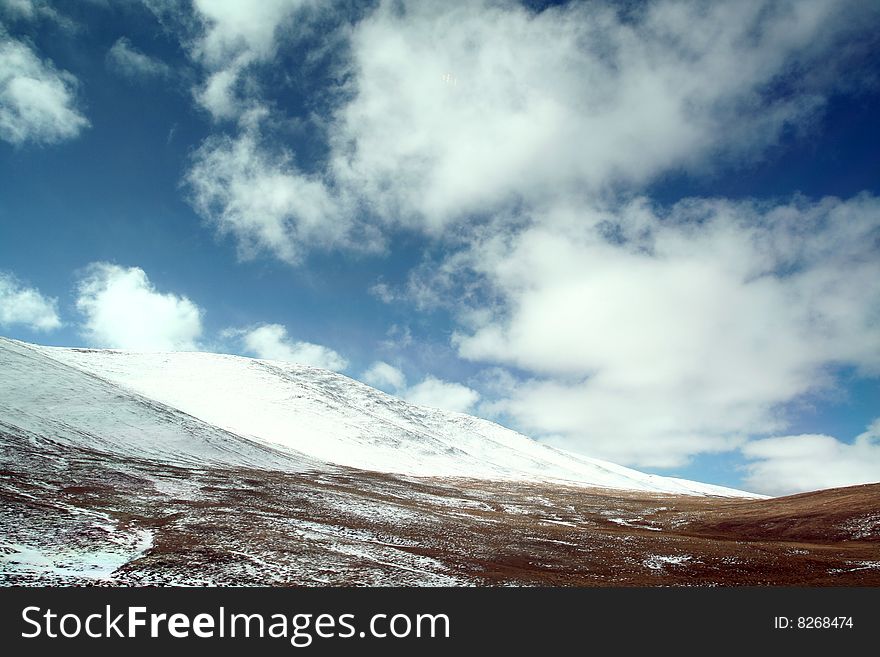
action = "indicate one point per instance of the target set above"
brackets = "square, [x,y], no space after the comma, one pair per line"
[857,565]
[660,561]
[627,523]
[566,523]
[866,526]
[16,559]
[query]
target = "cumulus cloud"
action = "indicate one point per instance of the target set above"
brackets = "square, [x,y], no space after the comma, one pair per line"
[647,336]
[574,98]
[127,60]
[122,309]
[431,391]
[792,464]
[518,139]
[271,342]
[21,305]
[387,377]
[37,101]
[460,108]
[442,394]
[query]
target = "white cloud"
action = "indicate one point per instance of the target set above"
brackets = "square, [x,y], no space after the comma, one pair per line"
[387,377]
[442,394]
[127,60]
[271,342]
[33,10]
[566,101]
[21,9]
[232,27]
[793,464]
[246,185]
[26,306]
[383,292]
[639,334]
[37,101]
[267,203]
[234,37]
[648,337]
[122,309]
[430,391]
[397,337]
[570,102]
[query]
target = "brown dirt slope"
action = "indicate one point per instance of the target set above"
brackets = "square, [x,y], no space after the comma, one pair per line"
[80,517]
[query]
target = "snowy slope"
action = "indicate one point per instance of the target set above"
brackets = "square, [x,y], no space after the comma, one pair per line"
[229,408]
[44,399]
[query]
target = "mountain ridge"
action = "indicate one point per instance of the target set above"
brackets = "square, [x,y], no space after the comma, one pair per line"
[306,417]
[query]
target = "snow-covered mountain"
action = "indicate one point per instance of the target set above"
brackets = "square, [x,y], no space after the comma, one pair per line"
[202,408]
[127,469]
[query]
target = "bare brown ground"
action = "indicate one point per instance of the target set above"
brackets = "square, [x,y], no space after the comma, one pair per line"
[349,527]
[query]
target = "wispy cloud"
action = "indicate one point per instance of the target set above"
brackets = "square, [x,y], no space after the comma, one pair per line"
[19,9]
[233,37]
[30,11]
[262,199]
[130,62]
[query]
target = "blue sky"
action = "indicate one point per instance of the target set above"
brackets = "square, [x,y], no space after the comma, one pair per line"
[646,233]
